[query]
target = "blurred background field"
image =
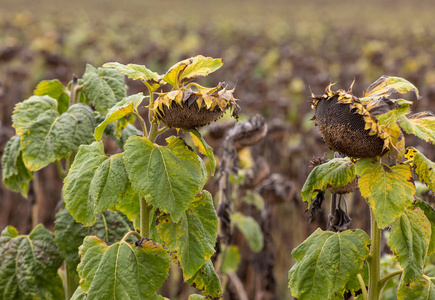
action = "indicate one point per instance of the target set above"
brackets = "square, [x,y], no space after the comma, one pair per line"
[274,52]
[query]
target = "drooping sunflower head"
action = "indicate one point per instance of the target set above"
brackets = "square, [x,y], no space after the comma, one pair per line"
[348,126]
[193,106]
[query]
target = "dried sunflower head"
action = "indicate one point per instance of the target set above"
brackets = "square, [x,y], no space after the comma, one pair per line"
[349,126]
[193,106]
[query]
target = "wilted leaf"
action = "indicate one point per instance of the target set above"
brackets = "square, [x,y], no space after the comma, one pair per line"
[424,168]
[203,148]
[250,229]
[335,173]
[94,183]
[231,259]
[56,90]
[388,190]
[122,270]
[47,136]
[421,125]
[121,109]
[421,289]
[104,87]
[135,72]
[194,236]
[15,175]
[388,85]
[168,177]
[326,261]
[409,240]
[28,268]
[200,66]
[429,211]
[207,281]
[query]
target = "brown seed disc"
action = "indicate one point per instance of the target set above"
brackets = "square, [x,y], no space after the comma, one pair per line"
[188,117]
[343,130]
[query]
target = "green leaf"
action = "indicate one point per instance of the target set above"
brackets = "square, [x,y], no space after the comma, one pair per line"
[232,259]
[207,281]
[250,229]
[420,289]
[388,190]
[203,148]
[335,173]
[78,294]
[421,125]
[130,205]
[119,110]
[136,72]
[388,85]
[409,240]
[104,87]
[200,66]
[194,236]
[429,211]
[94,183]
[168,177]
[28,269]
[15,175]
[326,262]
[47,136]
[122,270]
[56,90]
[110,227]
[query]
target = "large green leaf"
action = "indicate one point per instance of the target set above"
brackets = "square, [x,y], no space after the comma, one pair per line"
[424,168]
[168,177]
[78,294]
[28,266]
[326,261]
[110,227]
[409,240]
[122,270]
[15,175]
[335,173]
[136,72]
[47,136]
[104,87]
[121,109]
[194,236]
[421,125]
[250,229]
[207,281]
[421,289]
[429,211]
[56,90]
[94,183]
[388,85]
[388,190]
[203,148]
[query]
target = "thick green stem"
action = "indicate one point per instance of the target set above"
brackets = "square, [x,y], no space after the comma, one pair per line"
[60,170]
[374,260]
[75,91]
[71,283]
[154,132]
[145,209]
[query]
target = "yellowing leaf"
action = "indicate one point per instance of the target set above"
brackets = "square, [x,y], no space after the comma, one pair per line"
[135,72]
[388,190]
[387,85]
[424,168]
[421,125]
